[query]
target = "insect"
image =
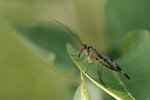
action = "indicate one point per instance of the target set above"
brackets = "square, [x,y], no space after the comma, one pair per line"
[93,56]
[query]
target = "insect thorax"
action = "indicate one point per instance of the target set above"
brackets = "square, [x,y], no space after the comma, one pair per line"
[90,55]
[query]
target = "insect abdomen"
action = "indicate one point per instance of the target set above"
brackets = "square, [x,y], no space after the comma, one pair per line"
[105,63]
[108,63]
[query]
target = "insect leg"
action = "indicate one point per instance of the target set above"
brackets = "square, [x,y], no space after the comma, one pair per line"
[100,73]
[96,62]
[98,69]
[83,63]
[87,68]
[76,57]
[80,59]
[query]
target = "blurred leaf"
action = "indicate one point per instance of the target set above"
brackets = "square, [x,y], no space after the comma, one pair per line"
[52,39]
[124,16]
[96,93]
[81,93]
[136,59]
[78,94]
[23,75]
[91,91]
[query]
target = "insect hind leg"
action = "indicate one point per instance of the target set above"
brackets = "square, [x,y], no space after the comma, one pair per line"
[100,74]
[87,68]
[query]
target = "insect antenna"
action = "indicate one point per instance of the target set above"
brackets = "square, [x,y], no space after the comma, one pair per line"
[74,34]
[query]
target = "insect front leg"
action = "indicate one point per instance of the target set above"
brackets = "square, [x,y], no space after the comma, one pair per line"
[78,59]
[79,54]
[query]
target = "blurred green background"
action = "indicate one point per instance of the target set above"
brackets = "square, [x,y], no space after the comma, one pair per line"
[34,63]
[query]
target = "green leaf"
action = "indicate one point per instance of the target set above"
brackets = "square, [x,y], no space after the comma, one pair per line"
[83,88]
[81,93]
[52,39]
[96,93]
[123,16]
[78,94]
[90,91]
[135,62]
[23,75]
